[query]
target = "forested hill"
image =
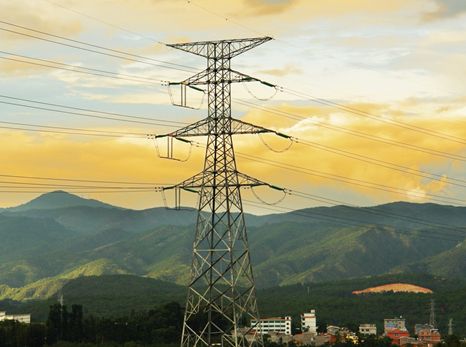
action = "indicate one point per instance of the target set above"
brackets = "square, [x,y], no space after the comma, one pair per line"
[119,295]
[60,236]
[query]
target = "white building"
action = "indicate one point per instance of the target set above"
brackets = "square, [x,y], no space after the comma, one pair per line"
[281,325]
[368,329]
[309,322]
[22,318]
[394,323]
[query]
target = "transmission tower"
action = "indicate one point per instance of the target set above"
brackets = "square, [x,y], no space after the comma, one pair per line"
[432,314]
[221,300]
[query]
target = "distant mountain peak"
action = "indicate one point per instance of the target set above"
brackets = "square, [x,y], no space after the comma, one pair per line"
[59,199]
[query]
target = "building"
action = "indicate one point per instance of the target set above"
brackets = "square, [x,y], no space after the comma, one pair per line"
[22,318]
[395,329]
[368,329]
[333,330]
[411,342]
[281,325]
[397,335]
[394,323]
[429,336]
[419,327]
[309,322]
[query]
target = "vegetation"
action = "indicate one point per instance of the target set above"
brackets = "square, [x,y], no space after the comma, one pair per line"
[157,327]
[118,295]
[59,236]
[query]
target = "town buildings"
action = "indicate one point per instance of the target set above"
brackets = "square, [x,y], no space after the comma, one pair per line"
[309,322]
[395,329]
[281,325]
[368,329]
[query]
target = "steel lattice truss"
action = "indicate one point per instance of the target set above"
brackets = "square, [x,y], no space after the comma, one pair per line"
[221,300]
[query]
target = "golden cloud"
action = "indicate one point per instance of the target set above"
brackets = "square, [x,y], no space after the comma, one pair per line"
[39,15]
[127,159]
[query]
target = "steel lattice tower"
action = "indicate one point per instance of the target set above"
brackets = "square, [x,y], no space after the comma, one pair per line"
[221,299]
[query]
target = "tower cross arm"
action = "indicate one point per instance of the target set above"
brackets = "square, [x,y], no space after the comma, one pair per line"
[198,181]
[204,128]
[202,78]
[198,79]
[234,46]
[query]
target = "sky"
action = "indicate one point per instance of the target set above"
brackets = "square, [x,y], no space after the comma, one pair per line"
[399,66]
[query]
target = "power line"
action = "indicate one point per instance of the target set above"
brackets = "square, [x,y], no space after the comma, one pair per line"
[127,55]
[356,133]
[92,131]
[344,221]
[297,169]
[77,192]
[67,179]
[84,114]
[377,211]
[381,163]
[79,69]
[347,180]
[11,184]
[105,22]
[236,22]
[169,123]
[63,132]
[377,118]
[152,186]
[287,166]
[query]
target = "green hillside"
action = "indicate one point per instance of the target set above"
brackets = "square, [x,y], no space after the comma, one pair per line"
[45,245]
[119,295]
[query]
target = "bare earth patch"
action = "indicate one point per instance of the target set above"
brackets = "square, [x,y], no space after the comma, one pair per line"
[395,287]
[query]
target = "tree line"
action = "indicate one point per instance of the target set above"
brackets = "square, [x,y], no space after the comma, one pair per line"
[157,327]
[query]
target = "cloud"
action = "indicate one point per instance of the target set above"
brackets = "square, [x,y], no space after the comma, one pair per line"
[280,72]
[327,162]
[445,9]
[39,15]
[17,69]
[130,160]
[268,7]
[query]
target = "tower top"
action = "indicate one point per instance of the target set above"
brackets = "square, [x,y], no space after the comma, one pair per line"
[223,49]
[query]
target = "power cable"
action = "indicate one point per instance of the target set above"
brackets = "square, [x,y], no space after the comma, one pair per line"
[129,56]
[105,22]
[359,134]
[67,179]
[170,123]
[345,221]
[347,180]
[84,114]
[365,114]
[80,69]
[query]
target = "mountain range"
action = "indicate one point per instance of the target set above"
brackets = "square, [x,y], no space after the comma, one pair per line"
[60,236]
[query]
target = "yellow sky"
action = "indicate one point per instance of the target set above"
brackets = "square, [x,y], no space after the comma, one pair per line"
[403,61]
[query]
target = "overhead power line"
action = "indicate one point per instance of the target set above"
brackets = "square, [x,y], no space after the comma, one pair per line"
[450,180]
[356,133]
[369,115]
[312,214]
[85,114]
[348,180]
[377,211]
[115,114]
[119,27]
[103,50]
[77,192]
[91,131]
[68,179]
[79,69]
